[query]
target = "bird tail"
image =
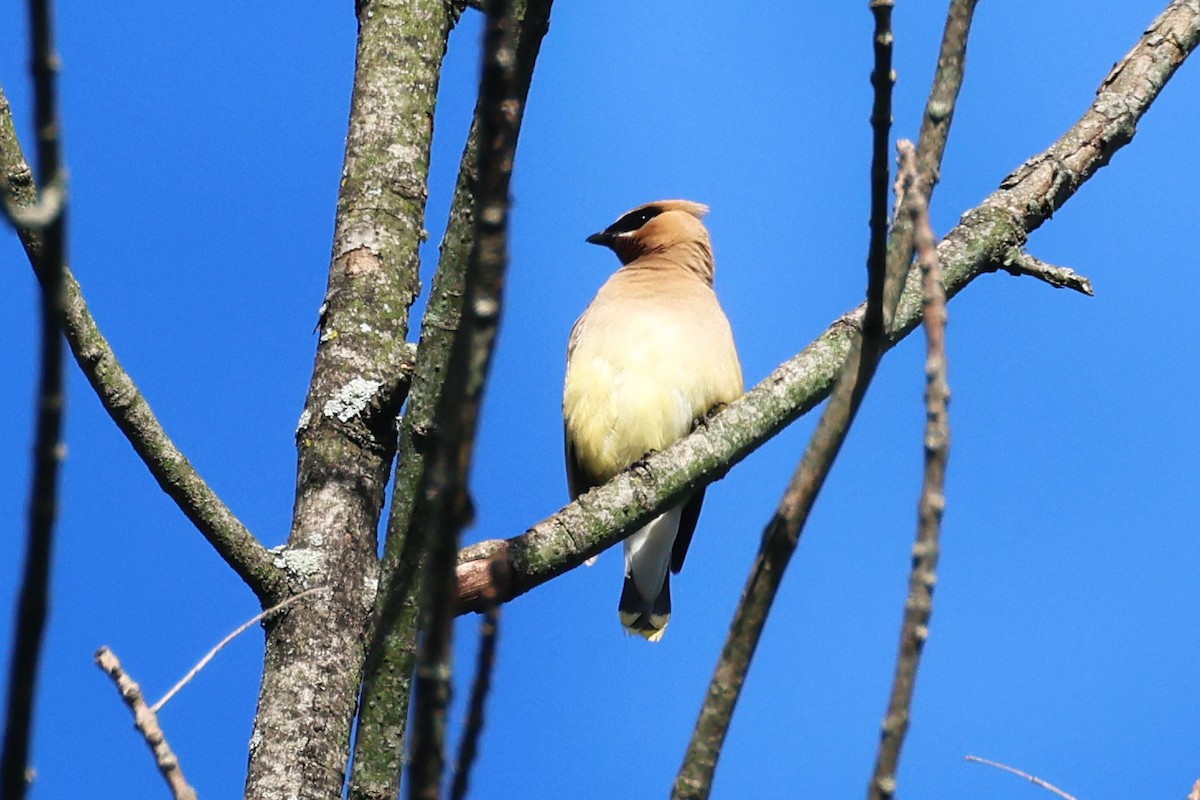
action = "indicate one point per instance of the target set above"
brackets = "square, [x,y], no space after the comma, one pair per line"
[647,618]
[645,605]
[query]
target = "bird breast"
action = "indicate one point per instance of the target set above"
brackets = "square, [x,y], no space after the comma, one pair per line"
[641,371]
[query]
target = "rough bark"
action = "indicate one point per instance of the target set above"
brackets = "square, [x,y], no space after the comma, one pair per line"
[346,437]
[388,674]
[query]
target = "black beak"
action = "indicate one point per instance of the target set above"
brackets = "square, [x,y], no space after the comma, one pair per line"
[603,238]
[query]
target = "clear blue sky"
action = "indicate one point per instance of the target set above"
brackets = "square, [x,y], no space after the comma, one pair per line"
[205,147]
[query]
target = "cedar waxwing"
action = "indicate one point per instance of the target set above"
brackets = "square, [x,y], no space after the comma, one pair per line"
[649,358]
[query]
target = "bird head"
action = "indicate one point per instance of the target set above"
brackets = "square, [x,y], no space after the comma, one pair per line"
[657,227]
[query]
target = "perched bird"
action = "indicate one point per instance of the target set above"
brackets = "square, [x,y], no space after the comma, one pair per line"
[650,357]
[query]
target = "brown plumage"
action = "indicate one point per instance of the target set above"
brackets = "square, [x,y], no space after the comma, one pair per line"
[652,354]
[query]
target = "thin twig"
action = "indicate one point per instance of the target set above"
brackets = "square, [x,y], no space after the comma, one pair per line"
[146,721]
[931,143]
[883,80]
[124,401]
[782,535]
[211,654]
[468,747]
[33,603]
[1019,262]
[919,603]
[1031,778]
[444,504]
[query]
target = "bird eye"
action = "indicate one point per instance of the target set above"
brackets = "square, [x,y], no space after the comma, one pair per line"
[634,220]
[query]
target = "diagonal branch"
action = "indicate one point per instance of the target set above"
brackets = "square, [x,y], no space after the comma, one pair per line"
[1036,781]
[931,142]
[979,244]
[126,405]
[145,720]
[886,274]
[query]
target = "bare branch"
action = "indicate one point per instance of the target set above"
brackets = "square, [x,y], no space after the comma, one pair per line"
[238,631]
[484,665]
[146,721]
[979,244]
[886,268]
[443,503]
[919,603]
[1019,262]
[883,80]
[391,652]
[1032,779]
[346,439]
[33,602]
[126,405]
[935,130]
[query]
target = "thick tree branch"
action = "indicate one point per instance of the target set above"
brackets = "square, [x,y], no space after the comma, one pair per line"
[979,244]
[128,408]
[919,602]
[346,437]
[146,721]
[383,712]
[34,600]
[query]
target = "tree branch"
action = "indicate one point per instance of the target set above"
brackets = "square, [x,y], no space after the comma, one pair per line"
[236,632]
[146,721]
[391,653]
[1021,263]
[1036,781]
[443,503]
[33,602]
[919,603]
[883,80]
[128,408]
[979,244]
[346,438]
[473,730]
[886,271]
[931,142]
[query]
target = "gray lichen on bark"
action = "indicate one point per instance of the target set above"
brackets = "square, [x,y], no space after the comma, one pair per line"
[314,653]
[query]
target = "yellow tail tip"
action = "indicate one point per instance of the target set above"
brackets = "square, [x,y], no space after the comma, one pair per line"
[651,629]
